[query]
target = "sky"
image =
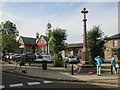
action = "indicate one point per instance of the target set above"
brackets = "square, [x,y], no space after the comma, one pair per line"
[32,17]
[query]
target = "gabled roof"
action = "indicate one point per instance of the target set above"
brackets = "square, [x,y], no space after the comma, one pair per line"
[46,38]
[75,45]
[116,36]
[28,40]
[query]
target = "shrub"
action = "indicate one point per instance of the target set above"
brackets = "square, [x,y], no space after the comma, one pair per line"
[57,62]
[118,62]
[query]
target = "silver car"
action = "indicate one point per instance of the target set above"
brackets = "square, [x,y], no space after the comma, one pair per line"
[72,59]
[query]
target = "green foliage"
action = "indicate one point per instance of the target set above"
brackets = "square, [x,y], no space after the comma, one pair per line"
[57,40]
[8,27]
[9,35]
[57,62]
[9,43]
[57,43]
[115,49]
[118,62]
[95,42]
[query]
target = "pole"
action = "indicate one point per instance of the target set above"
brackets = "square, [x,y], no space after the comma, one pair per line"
[72,70]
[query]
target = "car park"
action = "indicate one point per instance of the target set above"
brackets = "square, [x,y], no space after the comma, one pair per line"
[29,56]
[44,57]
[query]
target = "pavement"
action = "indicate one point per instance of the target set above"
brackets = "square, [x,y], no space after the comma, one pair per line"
[64,74]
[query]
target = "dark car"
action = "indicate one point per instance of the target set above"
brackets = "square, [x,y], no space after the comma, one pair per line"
[29,56]
[17,57]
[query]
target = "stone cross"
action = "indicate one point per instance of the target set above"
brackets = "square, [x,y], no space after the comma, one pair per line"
[84,50]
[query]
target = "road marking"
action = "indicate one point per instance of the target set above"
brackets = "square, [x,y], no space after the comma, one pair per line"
[47,82]
[2,86]
[25,77]
[33,83]
[16,85]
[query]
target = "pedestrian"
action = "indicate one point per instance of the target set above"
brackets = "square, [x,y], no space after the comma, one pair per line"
[4,57]
[113,66]
[8,58]
[98,62]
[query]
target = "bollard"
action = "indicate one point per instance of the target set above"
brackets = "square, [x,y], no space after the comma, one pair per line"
[111,69]
[44,65]
[72,70]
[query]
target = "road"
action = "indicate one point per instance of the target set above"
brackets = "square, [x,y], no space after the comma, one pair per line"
[16,81]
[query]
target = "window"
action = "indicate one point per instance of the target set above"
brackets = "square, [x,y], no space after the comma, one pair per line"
[115,43]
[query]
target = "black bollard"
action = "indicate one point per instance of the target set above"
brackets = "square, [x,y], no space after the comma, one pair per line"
[44,65]
[72,70]
[111,69]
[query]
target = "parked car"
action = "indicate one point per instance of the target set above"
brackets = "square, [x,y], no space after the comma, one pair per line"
[72,59]
[39,55]
[47,58]
[10,56]
[17,57]
[29,56]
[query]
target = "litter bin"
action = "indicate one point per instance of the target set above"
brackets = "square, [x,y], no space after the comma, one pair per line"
[44,65]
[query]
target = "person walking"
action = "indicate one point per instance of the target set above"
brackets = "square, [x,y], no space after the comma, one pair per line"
[99,62]
[113,66]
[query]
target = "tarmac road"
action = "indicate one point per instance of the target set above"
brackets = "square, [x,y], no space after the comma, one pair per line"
[16,81]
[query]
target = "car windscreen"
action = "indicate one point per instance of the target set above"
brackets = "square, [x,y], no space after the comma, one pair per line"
[46,56]
[71,56]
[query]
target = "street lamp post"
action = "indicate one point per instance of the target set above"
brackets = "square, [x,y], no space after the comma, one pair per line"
[84,50]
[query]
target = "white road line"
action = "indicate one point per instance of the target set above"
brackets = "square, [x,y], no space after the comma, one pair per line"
[33,83]
[47,82]
[2,86]
[16,85]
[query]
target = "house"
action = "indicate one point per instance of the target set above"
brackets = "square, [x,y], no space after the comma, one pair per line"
[113,47]
[36,45]
[27,44]
[43,45]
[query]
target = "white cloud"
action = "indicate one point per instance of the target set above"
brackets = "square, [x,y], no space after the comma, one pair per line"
[26,26]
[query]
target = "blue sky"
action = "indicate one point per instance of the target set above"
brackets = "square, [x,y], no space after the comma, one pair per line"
[32,17]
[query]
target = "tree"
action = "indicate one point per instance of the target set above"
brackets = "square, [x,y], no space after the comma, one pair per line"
[9,43]
[9,34]
[8,27]
[95,43]
[57,43]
